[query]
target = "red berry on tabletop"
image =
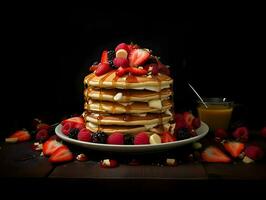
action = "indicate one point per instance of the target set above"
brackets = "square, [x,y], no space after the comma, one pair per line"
[254,152]
[102,68]
[214,154]
[263,132]
[61,154]
[234,148]
[122,46]
[241,134]
[21,135]
[141,138]
[115,138]
[84,135]
[42,135]
[50,146]
[108,163]
[220,133]
[120,62]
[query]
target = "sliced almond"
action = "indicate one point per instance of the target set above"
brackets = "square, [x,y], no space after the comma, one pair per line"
[11,140]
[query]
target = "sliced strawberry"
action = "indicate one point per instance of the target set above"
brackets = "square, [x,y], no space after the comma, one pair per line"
[50,146]
[162,68]
[102,68]
[188,117]
[77,122]
[104,57]
[167,137]
[132,46]
[121,71]
[93,67]
[122,46]
[62,154]
[213,154]
[21,135]
[234,148]
[137,71]
[138,57]
[121,62]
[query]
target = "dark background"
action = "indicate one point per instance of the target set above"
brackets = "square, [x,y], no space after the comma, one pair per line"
[47,53]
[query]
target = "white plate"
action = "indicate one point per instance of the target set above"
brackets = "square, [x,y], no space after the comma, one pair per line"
[201,131]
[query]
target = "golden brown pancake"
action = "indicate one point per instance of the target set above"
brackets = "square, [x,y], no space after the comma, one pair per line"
[118,108]
[110,80]
[127,95]
[128,120]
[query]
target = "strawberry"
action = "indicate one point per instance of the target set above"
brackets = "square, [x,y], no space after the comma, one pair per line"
[21,135]
[120,62]
[108,163]
[241,134]
[122,46]
[104,57]
[61,154]
[67,128]
[263,132]
[121,71]
[220,133]
[77,122]
[50,146]
[42,135]
[141,138]
[102,68]
[138,57]
[93,67]
[167,137]
[234,148]
[162,68]
[84,135]
[132,46]
[254,152]
[213,154]
[137,71]
[116,138]
[188,117]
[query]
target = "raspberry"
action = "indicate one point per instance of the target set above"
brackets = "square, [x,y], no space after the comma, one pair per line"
[84,135]
[220,133]
[66,128]
[241,134]
[116,138]
[42,135]
[254,152]
[141,138]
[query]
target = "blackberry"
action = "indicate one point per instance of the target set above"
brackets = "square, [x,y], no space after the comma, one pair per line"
[73,133]
[111,56]
[183,133]
[128,139]
[99,137]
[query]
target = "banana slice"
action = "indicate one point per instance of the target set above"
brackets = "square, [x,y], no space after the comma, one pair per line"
[155,139]
[121,53]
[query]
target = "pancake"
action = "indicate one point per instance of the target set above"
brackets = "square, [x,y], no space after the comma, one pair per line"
[128,120]
[127,95]
[110,80]
[132,107]
[109,129]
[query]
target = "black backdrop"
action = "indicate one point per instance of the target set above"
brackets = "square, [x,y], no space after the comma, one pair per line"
[47,53]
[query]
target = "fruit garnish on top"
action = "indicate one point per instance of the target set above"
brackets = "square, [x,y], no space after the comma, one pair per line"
[129,59]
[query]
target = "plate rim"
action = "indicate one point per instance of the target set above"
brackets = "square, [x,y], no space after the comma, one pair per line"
[133,148]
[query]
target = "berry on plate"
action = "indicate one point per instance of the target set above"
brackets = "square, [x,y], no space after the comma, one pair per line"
[141,138]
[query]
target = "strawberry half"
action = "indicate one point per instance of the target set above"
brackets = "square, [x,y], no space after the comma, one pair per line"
[121,71]
[122,46]
[137,71]
[213,154]
[120,62]
[104,57]
[138,57]
[21,135]
[62,154]
[167,137]
[102,68]
[234,148]
[50,146]
[76,122]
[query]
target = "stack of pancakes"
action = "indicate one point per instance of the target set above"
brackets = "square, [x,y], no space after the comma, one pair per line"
[128,104]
